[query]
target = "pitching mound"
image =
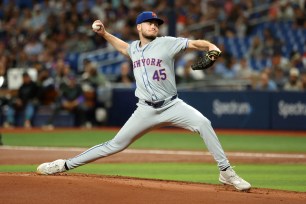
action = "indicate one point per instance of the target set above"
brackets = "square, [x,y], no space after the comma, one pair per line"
[79,188]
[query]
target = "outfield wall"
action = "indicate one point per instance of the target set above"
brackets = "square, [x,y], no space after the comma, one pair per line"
[231,110]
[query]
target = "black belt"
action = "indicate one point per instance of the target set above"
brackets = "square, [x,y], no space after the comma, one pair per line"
[159,103]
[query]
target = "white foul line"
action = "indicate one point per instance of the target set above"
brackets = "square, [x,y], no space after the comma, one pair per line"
[163,152]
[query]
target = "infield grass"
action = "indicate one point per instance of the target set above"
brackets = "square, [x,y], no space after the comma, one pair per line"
[159,140]
[283,177]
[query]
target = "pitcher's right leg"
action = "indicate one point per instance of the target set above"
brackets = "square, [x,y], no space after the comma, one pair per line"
[142,121]
[138,124]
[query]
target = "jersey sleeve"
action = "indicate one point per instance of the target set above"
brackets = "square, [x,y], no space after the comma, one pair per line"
[175,45]
[132,46]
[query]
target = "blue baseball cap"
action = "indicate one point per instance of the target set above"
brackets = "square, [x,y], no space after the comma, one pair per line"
[147,16]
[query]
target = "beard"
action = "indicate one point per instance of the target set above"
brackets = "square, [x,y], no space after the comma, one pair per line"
[149,37]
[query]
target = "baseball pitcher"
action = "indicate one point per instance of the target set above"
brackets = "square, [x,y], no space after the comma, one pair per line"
[153,67]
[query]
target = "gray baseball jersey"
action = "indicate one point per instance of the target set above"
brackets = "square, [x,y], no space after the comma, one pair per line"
[158,106]
[153,67]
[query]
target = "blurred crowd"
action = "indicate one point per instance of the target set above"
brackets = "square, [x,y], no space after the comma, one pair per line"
[41,33]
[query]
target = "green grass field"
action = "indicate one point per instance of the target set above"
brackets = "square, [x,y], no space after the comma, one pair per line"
[275,176]
[158,140]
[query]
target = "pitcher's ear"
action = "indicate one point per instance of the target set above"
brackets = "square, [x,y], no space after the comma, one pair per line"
[139,27]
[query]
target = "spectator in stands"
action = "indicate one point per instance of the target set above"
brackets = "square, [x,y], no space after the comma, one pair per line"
[293,83]
[91,73]
[25,101]
[286,10]
[296,60]
[22,59]
[269,43]
[126,76]
[71,99]
[85,43]
[265,83]
[47,60]
[280,61]
[242,69]
[94,86]
[93,77]
[241,27]
[274,12]
[256,49]
[225,69]
[33,46]
[71,44]
[38,19]
[61,72]
[278,75]
[47,92]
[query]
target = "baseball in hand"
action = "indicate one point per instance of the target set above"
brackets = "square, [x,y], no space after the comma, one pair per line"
[96,26]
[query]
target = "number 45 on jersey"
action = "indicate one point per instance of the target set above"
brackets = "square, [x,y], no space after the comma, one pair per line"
[160,74]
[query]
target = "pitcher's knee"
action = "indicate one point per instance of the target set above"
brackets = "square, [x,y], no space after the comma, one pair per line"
[201,124]
[204,122]
[118,146]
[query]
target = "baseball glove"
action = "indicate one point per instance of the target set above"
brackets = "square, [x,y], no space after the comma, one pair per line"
[206,61]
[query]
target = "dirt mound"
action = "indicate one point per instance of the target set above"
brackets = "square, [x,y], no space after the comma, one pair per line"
[79,188]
